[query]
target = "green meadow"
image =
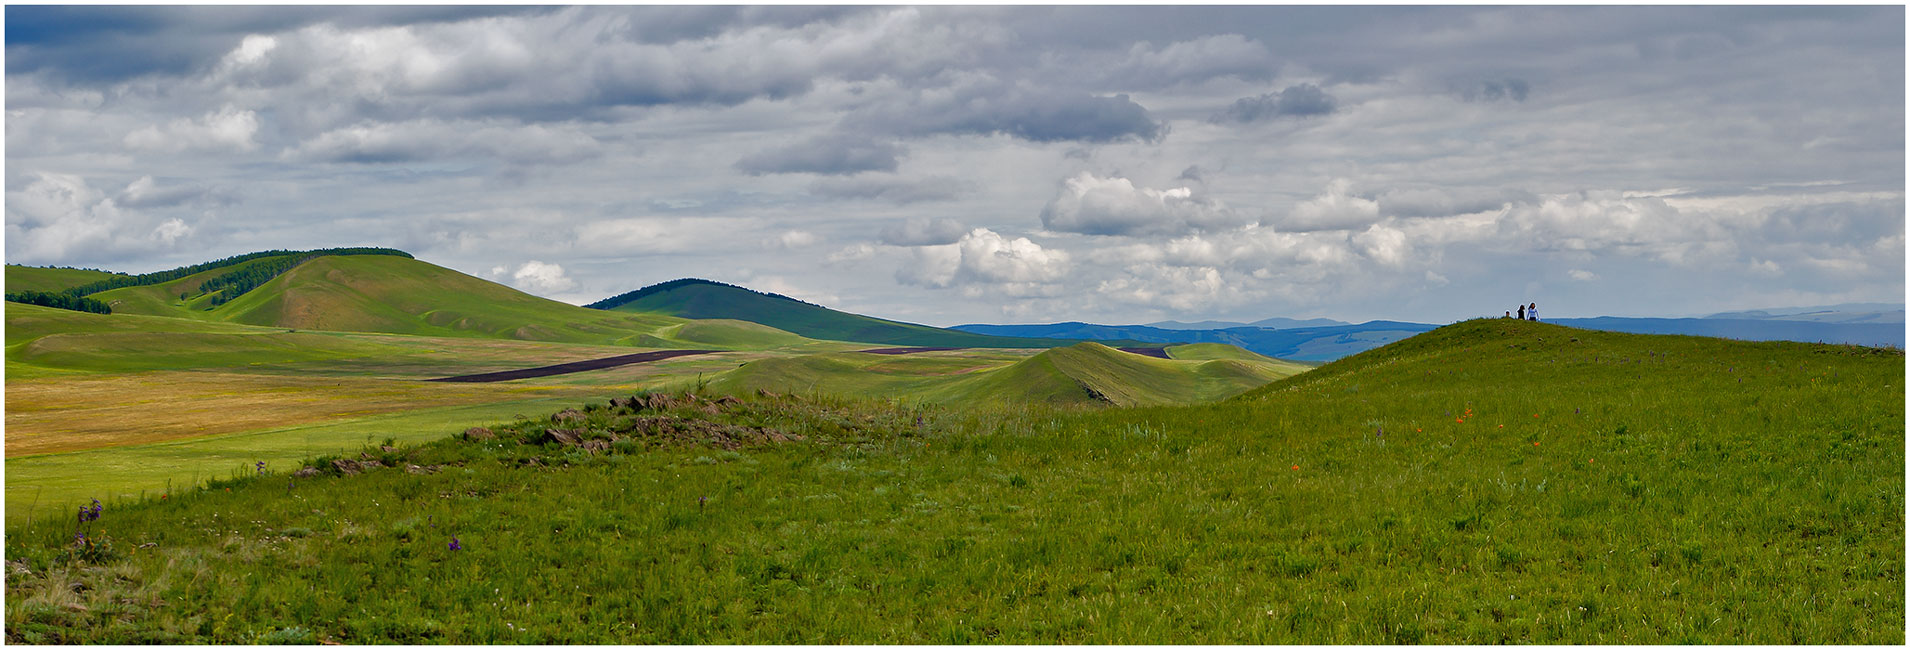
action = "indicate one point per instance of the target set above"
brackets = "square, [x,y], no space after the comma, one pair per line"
[1492,481]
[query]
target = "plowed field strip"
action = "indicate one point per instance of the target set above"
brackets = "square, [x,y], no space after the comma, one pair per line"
[574,366]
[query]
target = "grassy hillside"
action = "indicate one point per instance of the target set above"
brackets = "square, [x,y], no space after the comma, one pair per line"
[38,278]
[1085,374]
[402,296]
[690,298]
[1489,482]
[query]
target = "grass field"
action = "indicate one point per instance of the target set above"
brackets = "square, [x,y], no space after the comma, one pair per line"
[1489,482]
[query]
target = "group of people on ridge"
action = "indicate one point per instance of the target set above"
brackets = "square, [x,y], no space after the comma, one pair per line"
[1527,312]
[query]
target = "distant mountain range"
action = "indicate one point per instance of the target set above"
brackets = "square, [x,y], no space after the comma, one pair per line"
[1299,344]
[1320,339]
[1277,323]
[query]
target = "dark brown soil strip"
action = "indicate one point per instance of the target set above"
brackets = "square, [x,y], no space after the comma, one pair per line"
[574,366]
[1158,353]
[907,350]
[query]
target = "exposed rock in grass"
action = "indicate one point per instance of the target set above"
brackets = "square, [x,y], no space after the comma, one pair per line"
[567,415]
[479,433]
[306,472]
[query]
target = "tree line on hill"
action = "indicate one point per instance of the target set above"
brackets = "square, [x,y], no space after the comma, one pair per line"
[229,285]
[160,277]
[60,301]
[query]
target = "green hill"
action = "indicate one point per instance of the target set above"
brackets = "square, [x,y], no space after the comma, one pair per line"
[693,298]
[1085,374]
[1489,482]
[400,295]
[38,278]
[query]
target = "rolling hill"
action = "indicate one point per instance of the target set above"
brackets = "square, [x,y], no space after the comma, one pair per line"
[1084,374]
[702,299]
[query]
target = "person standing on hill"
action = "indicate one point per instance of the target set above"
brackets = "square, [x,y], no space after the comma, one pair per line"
[1521,312]
[1508,314]
[1532,312]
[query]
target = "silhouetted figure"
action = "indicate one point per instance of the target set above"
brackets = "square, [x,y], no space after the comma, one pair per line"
[1532,312]
[1508,314]
[1521,312]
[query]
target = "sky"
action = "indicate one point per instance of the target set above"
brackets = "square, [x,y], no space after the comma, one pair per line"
[949,165]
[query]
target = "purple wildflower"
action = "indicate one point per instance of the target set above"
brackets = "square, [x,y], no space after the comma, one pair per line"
[455,546]
[261,466]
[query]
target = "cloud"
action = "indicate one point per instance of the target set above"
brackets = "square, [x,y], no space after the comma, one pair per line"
[417,140]
[983,257]
[228,129]
[895,190]
[1492,90]
[1335,209]
[536,277]
[146,193]
[923,231]
[1582,275]
[1441,202]
[1036,113]
[1194,61]
[59,218]
[1303,100]
[792,239]
[829,154]
[1092,205]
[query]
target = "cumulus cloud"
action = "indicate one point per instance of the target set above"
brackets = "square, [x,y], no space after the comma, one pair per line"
[924,231]
[1091,205]
[832,153]
[60,218]
[899,191]
[229,128]
[415,140]
[983,257]
[1335,209]
[1303,100]
[1581,275]
[535,277]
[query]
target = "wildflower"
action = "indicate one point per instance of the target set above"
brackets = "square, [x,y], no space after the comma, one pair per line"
[1296,468]
[261,467]
[455,546]
[1535,443]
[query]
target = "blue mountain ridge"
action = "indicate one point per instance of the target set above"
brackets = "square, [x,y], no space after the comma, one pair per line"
[1321,344]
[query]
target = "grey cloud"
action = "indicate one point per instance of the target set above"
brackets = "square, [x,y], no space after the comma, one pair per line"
[832,153]
[897,190]
[1302,100]
[920,231]
[148,193]
[1441,202]
[1025,111]
[90,44]
[1193,173]
[376,143]
[1508,89]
